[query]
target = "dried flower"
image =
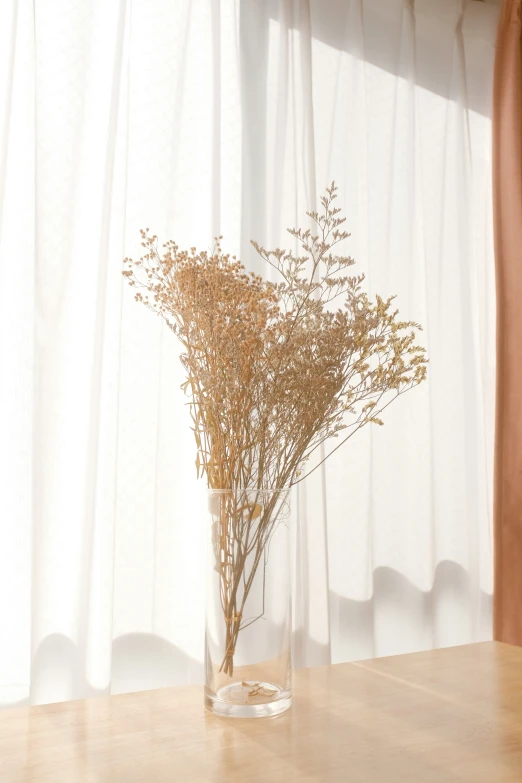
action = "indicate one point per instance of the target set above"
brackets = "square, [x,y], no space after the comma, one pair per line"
[274,370]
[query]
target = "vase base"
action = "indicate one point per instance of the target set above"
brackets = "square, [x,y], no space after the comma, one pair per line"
[248,700]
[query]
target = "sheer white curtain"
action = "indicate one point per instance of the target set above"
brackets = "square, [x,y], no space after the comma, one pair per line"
[199,118]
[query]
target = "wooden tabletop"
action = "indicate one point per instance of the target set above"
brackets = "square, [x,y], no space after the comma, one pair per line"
[432,717]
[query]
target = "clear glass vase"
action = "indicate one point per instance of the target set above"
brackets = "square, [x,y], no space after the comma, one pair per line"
[248,612]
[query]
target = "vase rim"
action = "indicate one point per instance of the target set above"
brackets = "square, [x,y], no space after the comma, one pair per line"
[249,489]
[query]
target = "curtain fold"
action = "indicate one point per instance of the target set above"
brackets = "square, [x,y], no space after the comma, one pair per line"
[202,117]
[507,177]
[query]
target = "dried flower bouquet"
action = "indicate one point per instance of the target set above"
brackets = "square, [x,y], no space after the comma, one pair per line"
[274,370]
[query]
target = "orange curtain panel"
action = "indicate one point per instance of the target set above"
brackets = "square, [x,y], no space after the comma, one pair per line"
[507,195]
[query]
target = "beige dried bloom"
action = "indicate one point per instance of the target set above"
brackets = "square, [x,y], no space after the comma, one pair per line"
[274,370]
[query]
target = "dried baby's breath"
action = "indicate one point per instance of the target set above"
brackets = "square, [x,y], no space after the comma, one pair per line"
[274,370]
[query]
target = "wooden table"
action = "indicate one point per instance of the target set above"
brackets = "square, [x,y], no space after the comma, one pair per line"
[437,717]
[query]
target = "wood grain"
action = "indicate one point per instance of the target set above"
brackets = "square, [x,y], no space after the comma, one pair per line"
[433,717]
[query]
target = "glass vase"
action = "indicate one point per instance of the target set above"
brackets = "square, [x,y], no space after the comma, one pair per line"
[248,610]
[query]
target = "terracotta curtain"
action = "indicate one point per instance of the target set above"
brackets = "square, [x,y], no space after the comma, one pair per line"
[507,194]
